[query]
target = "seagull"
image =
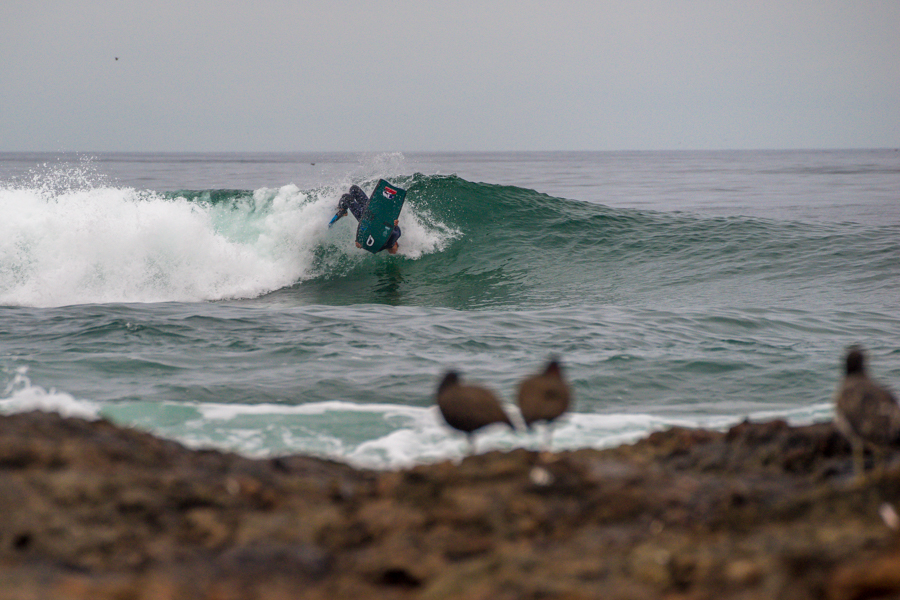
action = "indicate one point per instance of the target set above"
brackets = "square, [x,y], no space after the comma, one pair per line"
[866,413]
[468,408]
[544,397]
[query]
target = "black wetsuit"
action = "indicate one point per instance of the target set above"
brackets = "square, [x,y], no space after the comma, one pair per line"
[395,235]
[356,201]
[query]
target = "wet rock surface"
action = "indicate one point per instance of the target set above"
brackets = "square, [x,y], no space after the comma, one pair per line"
[765,510]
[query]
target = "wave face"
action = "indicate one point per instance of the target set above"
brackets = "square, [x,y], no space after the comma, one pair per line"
[464,245]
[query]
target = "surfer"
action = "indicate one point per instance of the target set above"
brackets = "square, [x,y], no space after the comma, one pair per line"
[356,201]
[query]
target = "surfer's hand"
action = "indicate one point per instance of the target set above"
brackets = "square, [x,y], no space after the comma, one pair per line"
[358,245]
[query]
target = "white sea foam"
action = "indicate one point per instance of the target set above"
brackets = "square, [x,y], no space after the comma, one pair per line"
[107,244]
[20,395]
[379,436]
[389,436]
[118,245]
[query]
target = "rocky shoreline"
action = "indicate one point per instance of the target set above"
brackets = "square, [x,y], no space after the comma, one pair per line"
[764,510]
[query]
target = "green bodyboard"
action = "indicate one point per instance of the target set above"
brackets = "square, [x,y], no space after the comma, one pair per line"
[378,221]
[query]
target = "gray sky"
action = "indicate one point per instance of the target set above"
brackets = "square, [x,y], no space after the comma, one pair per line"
[397,75]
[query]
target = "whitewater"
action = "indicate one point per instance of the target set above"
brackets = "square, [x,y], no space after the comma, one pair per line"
[203,297]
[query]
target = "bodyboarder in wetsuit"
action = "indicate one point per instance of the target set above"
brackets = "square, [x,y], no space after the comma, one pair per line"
[356,201]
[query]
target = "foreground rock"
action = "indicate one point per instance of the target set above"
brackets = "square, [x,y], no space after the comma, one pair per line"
[93,511]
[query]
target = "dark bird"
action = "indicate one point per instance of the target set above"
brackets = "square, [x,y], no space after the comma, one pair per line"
[544,397]
[866,413]
[468,408]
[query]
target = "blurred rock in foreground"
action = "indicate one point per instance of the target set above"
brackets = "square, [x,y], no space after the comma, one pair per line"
[93,511]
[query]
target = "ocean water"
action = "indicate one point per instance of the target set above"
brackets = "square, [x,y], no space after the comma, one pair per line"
[202,297]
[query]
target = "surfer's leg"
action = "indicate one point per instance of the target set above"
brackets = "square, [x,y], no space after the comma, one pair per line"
[343,204]
[358,193]
[357,202]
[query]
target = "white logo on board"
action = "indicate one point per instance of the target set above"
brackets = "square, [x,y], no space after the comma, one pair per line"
[370,241]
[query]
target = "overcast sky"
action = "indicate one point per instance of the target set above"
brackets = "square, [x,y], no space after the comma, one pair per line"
[418,75]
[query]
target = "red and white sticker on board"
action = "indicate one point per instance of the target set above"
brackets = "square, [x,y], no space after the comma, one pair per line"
[389,193]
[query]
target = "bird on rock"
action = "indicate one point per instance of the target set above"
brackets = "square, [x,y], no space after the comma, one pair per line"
[866,413]
[544,397]
[468,408]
